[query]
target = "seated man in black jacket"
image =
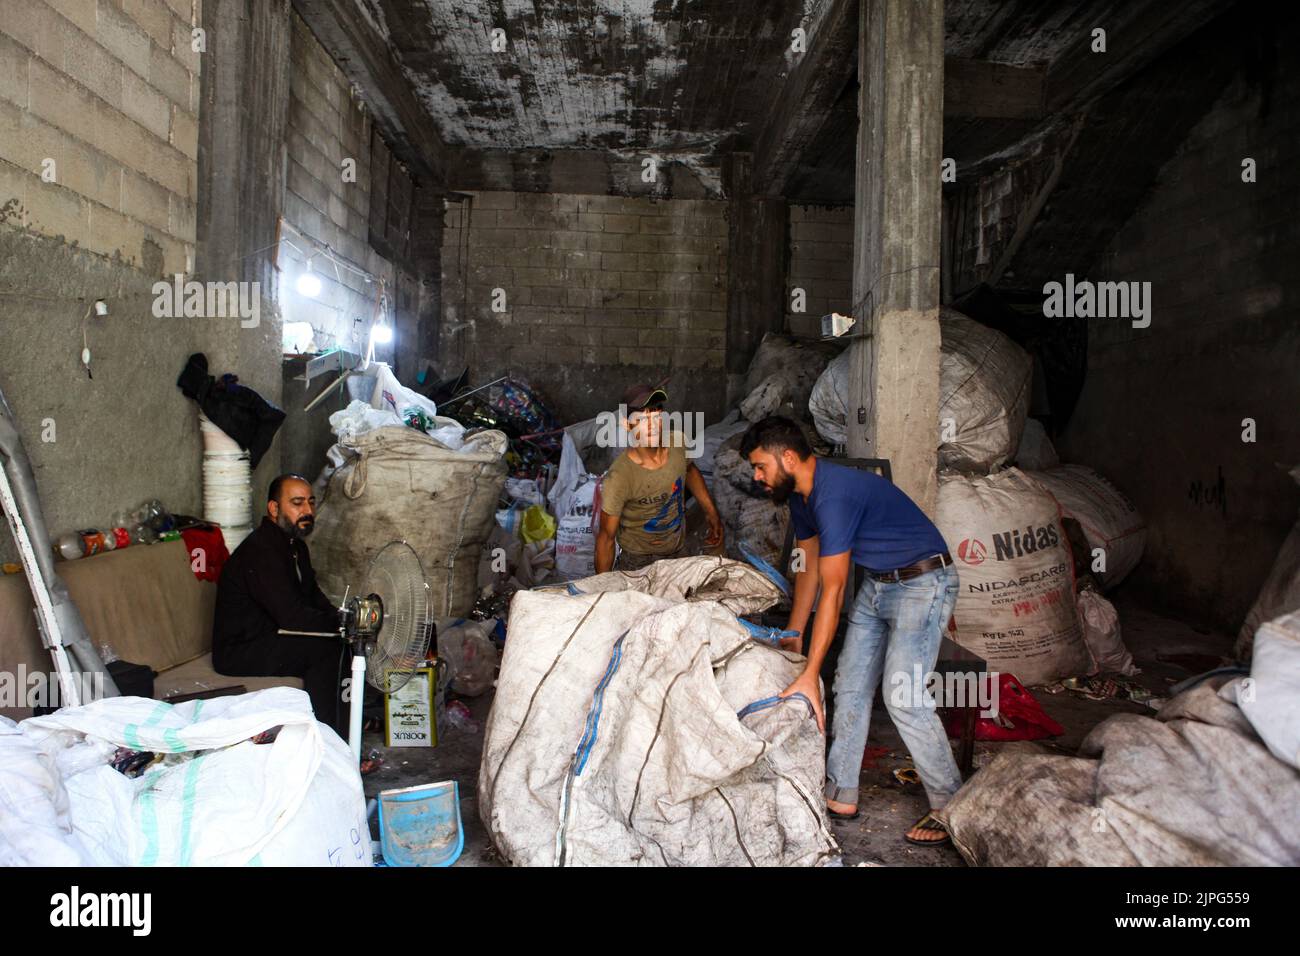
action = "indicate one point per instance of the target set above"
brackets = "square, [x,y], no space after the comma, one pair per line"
[268,586]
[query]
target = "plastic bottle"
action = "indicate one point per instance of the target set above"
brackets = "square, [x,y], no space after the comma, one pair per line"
[132,525]
[80,544]
[156,516]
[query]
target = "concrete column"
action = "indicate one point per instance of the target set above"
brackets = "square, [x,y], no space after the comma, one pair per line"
[756,250]
[893,401]
[243,116]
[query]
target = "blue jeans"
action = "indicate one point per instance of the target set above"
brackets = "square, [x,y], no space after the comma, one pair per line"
[894,630]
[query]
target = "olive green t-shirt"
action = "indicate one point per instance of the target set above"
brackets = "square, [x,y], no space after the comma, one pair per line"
[648,502]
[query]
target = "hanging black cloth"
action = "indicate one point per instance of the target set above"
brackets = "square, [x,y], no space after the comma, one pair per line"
[237,410]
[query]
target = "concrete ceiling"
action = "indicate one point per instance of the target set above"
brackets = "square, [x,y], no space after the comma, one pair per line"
[613,74]
[693,80]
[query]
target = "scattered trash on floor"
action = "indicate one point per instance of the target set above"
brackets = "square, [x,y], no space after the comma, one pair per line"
[459,718]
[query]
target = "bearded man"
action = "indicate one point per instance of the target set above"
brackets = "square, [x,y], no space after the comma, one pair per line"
[843,516]
[267,592]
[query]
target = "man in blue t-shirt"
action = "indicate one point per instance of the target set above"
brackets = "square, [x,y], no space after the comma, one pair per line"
[843,516]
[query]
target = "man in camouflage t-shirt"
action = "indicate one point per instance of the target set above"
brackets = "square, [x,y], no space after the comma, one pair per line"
[642,497]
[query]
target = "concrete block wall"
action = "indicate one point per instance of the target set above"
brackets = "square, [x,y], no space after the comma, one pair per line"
[328,125]
[821,263]
[111,92]
[1163,407]
[99,126]
[600,291]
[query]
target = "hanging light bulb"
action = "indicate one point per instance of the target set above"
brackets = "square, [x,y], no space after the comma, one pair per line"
[383,332]
[308,283]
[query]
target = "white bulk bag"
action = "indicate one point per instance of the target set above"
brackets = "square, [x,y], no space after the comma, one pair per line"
[1015,606]
[1271,698]
[636,723]
[1109,520]
[984,381]
[216,799]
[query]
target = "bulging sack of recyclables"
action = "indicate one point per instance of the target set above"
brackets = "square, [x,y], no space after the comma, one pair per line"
[214,799]
[398,484]
[984,380]
[1015,605]
[636,723]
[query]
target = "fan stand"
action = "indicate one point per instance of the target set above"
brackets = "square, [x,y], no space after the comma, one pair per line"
[357,691]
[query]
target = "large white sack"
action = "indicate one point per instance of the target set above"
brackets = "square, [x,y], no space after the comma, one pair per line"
[1109,519]
[1101,633]
[1281,591]
[34,826]
[984,381]
[1015,607]
[634,724]
[1271,699]
[217,799]
[398,484]
[1192,786]
[828,398]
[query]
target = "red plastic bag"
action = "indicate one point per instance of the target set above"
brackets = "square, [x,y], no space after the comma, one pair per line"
[1020,716]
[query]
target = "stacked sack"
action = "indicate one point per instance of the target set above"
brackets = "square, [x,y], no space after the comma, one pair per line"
[1006,528]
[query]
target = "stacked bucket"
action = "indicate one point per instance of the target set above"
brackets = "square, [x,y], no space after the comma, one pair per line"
[227,484]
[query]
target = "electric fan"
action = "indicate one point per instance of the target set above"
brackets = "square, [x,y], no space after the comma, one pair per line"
[389,629]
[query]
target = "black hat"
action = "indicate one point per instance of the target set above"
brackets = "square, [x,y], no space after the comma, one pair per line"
[639,397]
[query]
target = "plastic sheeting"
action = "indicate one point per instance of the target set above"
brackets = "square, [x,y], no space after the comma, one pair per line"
[636,723]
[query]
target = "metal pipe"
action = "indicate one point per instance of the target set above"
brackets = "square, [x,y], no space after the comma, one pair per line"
[65,629]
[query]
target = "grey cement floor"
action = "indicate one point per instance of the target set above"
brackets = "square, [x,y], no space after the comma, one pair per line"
[888,807]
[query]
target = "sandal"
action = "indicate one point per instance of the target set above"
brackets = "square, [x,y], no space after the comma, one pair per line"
[843,816]
[929,823]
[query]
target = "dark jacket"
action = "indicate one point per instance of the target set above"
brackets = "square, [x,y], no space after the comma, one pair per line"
[236,409]
[268,584]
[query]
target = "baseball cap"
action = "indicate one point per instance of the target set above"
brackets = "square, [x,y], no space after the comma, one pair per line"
[639,397]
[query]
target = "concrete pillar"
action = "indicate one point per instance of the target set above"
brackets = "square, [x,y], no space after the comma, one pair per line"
[756,250]
[893,401]
[243,116]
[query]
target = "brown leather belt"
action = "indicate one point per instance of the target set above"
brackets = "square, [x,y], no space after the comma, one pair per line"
[912,570]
